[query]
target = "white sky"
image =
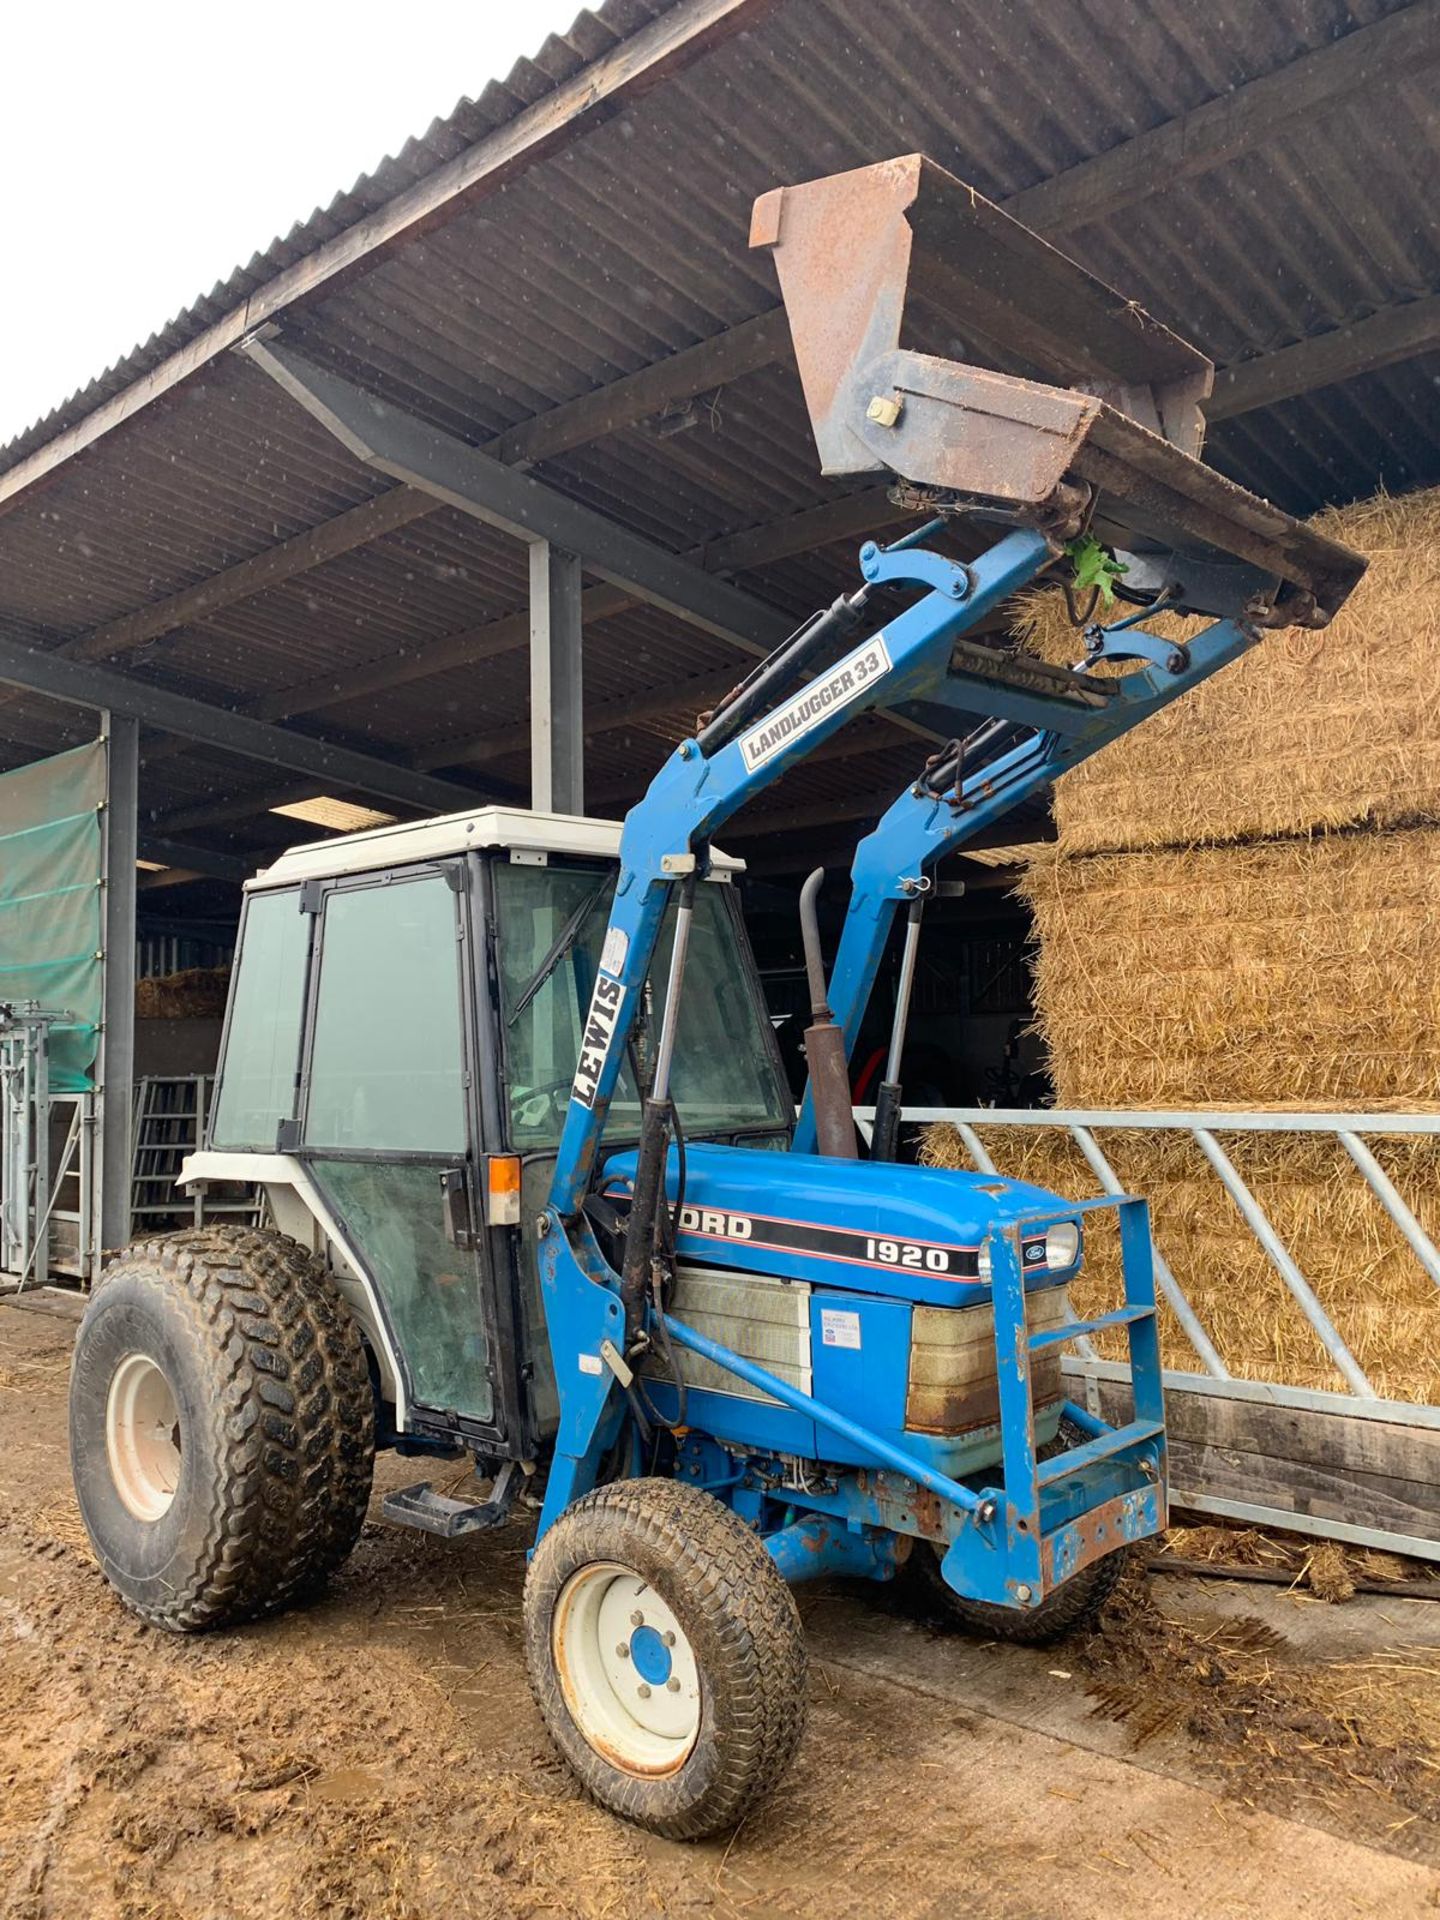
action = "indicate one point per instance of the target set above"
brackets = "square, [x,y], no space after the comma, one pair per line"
[147,149]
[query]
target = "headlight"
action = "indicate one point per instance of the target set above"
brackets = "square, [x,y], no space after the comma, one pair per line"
[1062,1249]
[1062,1245]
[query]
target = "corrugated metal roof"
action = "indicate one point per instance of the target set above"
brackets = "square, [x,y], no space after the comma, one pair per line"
[628,245]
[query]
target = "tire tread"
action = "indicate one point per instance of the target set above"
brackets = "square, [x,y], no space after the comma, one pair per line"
[729,1582]
[292,1418]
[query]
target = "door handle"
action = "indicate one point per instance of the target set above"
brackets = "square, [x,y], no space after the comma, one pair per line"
[459,1215]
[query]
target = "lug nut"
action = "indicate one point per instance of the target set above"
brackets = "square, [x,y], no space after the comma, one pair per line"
[643,1691]
[668,1638]
[672,1685]
[623,1649]
[637,1619]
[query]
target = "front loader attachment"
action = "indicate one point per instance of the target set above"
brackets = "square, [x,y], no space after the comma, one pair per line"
[941,341]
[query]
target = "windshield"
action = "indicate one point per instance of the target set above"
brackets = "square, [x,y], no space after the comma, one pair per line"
[724,1077]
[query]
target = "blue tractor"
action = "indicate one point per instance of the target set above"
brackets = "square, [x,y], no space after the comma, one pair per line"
[538,1193]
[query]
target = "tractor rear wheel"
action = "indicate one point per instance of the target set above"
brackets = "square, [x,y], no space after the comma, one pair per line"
[666,1656]
[222,1425]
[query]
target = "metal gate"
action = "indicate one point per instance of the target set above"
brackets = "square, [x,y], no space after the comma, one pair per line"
[1347,1463]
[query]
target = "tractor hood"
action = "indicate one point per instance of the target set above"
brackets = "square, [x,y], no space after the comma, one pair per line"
[870,1226]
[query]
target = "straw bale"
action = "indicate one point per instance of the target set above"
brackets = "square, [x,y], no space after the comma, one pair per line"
[1380,1299]
[1293,971]
[1311,730]
[195,993]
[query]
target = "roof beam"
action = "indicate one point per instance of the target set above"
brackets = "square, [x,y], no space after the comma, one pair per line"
[1383,339]
[864,512]
[194,862]
[1209,136]
[663,46]
[253,803]
[622,403]
[650,703]
[302,551]
[85,685]
[385,437]
[470,647]
[726,356]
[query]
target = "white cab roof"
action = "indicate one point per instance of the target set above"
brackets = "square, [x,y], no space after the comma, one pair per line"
[451,833]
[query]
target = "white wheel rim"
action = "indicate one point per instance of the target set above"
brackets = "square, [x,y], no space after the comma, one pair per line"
[142,1437]
[626,1669]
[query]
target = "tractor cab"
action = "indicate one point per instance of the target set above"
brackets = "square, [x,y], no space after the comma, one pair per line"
[407,1017]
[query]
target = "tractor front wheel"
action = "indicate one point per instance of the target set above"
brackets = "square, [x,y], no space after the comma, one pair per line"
[1076,1604]
[666,1656]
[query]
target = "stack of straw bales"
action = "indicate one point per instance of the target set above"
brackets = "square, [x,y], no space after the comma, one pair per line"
[195,993]
[1243,910]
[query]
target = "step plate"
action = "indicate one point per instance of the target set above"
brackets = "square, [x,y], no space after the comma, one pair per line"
[420,1506]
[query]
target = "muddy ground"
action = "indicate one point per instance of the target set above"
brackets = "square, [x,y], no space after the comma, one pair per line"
[1217,1751]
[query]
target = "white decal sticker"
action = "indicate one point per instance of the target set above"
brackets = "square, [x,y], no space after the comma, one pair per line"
[591,1363]
[605,1005]
[612,954]
[845,681]
[839,1329]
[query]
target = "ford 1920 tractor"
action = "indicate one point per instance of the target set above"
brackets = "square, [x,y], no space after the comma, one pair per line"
[536,1190]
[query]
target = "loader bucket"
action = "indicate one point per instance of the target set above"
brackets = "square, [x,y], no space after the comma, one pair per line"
[943,342]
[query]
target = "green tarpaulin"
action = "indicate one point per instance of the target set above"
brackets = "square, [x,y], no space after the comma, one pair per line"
[51,902]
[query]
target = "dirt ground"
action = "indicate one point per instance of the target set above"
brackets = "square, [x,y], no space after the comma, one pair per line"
[1218,1750]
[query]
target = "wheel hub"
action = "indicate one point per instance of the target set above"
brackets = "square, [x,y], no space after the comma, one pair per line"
[651,1656]
[626,1669]
[142,1437]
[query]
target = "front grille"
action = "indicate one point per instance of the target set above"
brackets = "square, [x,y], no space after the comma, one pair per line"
[954,1383]
[763,1319]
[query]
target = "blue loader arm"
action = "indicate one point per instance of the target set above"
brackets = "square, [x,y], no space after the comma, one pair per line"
[693,795]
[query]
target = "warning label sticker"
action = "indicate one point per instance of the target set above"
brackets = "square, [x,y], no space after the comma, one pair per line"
[839,1329]
[617,945]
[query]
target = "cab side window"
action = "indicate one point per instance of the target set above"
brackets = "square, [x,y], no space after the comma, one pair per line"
[387,1059]
[262,1044]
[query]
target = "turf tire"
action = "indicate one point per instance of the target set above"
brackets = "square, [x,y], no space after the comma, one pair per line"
[742,1624]
[1076,1604]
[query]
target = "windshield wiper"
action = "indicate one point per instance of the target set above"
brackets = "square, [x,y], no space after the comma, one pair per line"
[564,940]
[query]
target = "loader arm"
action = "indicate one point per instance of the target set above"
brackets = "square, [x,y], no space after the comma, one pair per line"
[707,778]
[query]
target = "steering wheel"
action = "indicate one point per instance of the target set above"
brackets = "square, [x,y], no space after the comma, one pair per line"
[555,1094]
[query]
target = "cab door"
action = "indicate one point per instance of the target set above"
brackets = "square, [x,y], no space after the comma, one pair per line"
[389,1131]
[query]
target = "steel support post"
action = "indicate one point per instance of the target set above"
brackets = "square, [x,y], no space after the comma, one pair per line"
[557,721]
[115,1060]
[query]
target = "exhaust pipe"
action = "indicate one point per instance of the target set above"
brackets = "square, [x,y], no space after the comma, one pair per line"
[824,1042]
